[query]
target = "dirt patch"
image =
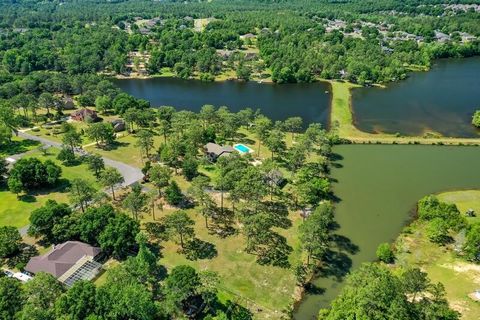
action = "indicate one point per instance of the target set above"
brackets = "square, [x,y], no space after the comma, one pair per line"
[473,270]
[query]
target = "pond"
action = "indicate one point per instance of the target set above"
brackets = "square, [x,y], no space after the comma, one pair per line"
[441,100]
[377,187]
[310,101]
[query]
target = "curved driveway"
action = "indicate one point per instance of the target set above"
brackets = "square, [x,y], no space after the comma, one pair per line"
[130,174]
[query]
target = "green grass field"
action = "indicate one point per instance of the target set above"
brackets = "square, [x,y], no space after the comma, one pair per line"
[241,277]
[18,145]
[16,211]
[459,277]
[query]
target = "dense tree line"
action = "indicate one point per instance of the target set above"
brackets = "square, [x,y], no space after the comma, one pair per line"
[444,222]
[375,292]
[139,288]
[291,38]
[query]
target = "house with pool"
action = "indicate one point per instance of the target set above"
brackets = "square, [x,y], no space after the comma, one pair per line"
[214,151]
[242,149]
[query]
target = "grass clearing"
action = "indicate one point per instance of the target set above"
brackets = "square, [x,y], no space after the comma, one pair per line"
[242,279]
[124,150]
[18,145]
[459,277]
[16,211]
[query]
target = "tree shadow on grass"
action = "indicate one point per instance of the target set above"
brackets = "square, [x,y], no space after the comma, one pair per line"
[197,249]
[16,147]
[29,198]
[223,224]
[115,146]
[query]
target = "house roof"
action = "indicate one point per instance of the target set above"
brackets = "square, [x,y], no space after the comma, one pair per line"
[84,112]
[217,149]
[274,176]
[61,258]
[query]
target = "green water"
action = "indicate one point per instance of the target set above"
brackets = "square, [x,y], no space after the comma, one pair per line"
[378,187]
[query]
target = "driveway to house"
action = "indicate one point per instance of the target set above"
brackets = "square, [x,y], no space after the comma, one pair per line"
[130,174]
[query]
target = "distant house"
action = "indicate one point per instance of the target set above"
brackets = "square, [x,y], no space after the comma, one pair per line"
[213,151]
[84,115]
[68,103]
[274,178]
[441,37]
[248,36]
[118,125]
[467,37]
[224,53]
[68,262]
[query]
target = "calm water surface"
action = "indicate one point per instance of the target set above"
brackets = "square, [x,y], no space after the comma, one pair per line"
[378,187]
[441,100]
[278,102]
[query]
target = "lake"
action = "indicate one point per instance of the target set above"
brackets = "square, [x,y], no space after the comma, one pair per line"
[278,102]
[378,187]
[441,100]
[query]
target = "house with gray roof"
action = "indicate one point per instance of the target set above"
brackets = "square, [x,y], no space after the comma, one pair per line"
[69,262]
[213,151]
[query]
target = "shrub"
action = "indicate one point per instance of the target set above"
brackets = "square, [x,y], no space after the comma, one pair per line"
[67,156]
[476,119]
[10,240]
[31,173]
[385,253]
[437,231]
[472,243]
[430,208]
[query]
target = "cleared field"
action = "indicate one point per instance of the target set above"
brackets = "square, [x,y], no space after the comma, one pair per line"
[16,211]
[459,277]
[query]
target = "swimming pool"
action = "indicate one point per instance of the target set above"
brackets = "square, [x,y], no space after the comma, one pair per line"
[242,148]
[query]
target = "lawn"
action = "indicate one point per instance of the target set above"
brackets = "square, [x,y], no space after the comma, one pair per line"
[124,150]
[241,277]
[16,211]
[459,277]
[17,145]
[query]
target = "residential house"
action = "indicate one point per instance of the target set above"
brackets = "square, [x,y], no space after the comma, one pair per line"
[214,151]
[248,36]
[68,262]
[274,178]
[84,115]
[68,103]
[118,125]
[441,37]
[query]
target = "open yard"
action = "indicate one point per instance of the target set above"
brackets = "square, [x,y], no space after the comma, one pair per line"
[242,279]
[459,277]
[16,211]
[18,145]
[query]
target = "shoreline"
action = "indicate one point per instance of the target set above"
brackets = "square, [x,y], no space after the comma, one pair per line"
[341,115]
[342,120]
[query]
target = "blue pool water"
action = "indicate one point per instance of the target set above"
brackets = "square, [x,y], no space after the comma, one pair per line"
[241,148]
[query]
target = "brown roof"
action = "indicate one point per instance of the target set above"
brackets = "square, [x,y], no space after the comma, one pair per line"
[61,258]
[84,112]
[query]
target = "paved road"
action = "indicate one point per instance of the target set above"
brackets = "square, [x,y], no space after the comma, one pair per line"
[130,174]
